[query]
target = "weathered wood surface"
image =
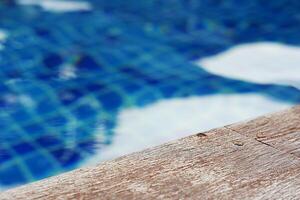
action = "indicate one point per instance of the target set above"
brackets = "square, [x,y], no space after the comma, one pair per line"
[259,159]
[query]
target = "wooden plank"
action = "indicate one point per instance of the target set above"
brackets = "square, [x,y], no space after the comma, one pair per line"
[231,162]
[279,130]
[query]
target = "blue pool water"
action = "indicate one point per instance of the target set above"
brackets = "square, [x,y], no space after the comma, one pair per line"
[67,74]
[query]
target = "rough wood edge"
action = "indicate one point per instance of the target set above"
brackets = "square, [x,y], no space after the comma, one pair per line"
[254,159]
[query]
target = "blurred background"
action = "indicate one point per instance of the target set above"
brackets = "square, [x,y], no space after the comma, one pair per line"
[83,81]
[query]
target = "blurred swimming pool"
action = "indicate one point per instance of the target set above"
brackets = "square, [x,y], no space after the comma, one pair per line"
[86,81]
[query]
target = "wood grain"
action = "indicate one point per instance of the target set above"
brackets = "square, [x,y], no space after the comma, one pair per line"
[259,159]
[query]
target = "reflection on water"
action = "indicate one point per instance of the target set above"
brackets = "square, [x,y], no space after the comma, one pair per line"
[69,79]
[262,62]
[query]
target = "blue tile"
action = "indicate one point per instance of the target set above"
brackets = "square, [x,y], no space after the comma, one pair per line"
[109,123]
[53,61]
[3,88]
[89,146]
[88,63]
[46,107]
[34,129]
[131,87]
[206,89]
[111,100]
[46,75]
[96,87]
[146,99]
[4,155]
[39,165]
[23,148]
[168,90]
[12,175]
[48,141]
[66,157]
[14,74]
[85,112]
[131,71]
[21,115]
[56,121]
[69,96]
[42,32]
